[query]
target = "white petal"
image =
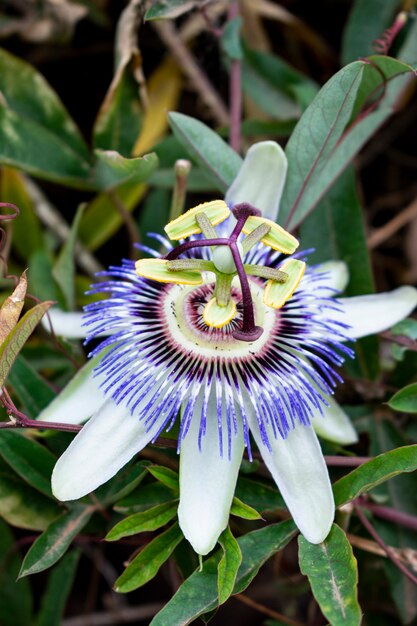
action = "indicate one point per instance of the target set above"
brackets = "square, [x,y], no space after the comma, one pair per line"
[334,425]
[78,400]
[298,467]
[336,276]
[207,483]
[65,324]
[261,179]
[367,315]
[105,444]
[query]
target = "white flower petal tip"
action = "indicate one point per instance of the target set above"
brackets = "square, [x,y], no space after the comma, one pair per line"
[260,180]
[103,446]
[79,400]
[337,276]
[334,425]
[207,483]
[298,468]
[366,315]
[65,324]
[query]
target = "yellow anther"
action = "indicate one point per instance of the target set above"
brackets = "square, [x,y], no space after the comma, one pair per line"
[277,294]
[277,237]
[185,225]
[218,316]
[156,269]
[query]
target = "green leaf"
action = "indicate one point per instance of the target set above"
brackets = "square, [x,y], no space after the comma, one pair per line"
[144,498]
[396,493]
[112,169]
[375,472]
[336,231]
[228,565]
[32,389]
[199,593]
[59,586]
[259,495]
[121,485]
[41,279]
[29,95]
[15,597]
[23,507]
[119,119]
[101,219]
[218,160]
[316,135]
[230,39]
[240,509]
[55,541]
[15,341]
[407,328]
[32,461]
[332,572]
[36,150]
[405,400]
[165,475]
[64,270]
[148,520]
[285,91]
[319,148]
[27,231]
[169,9]
[154,214]
[197,180]
[367,21]
[146,565]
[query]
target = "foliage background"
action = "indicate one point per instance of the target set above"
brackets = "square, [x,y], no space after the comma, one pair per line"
[368,219]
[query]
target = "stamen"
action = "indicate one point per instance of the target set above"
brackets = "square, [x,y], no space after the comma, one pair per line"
[269,273]
[206,226]
[198,265]
[255,237]
[185,225]
[157,269]
[275,294]
[277,237]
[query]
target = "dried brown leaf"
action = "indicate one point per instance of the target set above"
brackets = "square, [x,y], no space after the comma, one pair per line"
[12,308]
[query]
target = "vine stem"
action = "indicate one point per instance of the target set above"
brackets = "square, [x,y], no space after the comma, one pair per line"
[387,549]
[391,515]
[20,420]
[235,93]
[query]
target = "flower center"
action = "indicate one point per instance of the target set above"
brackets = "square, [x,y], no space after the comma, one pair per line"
[184,315]
[227,264]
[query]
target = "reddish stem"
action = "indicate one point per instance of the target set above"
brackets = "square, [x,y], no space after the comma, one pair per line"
[391,515]
[389,551]
[235,99]
[23,421]
[347,461]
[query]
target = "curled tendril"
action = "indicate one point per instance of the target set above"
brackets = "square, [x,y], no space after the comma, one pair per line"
[9,217]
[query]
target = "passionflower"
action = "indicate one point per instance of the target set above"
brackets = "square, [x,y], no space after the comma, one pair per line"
[231,334]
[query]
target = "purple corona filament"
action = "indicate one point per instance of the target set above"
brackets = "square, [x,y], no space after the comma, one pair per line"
[249,330]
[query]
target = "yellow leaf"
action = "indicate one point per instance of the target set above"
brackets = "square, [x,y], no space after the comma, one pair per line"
[163,92]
